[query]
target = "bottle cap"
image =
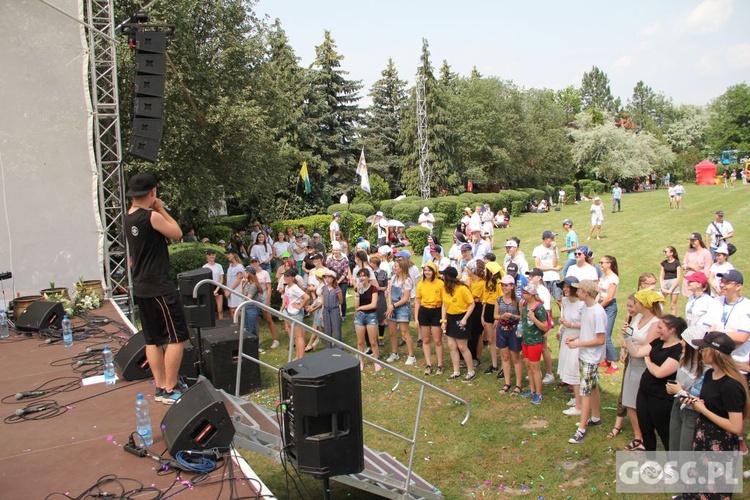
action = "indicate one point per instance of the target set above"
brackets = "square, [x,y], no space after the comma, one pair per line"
[140,396]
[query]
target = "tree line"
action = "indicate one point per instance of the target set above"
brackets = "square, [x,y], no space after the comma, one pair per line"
[242,114]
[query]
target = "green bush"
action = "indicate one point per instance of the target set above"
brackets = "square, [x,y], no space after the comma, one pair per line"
[452,207]
[570,194]
[187,256]
[337,207]
[362,208]
[217,232]
[236,222]
[351,225]
[407,211]
[439,226]
[417,236]
[516,207]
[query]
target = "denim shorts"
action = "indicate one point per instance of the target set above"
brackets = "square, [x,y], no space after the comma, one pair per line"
[401,314]
[507,338]
[366,318]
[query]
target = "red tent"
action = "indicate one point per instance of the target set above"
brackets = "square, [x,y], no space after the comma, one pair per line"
[705,173]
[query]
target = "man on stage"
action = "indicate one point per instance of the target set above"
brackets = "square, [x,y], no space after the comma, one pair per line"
[147,228]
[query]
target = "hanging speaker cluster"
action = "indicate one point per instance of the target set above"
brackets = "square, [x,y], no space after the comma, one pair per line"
[148,103]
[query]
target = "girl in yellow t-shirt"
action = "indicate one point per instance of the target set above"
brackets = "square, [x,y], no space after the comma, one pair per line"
[493,273]
[427,311]
[458,304]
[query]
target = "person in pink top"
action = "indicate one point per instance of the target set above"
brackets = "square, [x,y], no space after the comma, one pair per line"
[697,258]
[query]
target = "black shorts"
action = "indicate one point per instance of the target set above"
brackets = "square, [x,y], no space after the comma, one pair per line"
[163,319]
[489,313]
[453,328]
[429,316]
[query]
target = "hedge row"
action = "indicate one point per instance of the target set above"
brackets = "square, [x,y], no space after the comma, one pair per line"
[187,256]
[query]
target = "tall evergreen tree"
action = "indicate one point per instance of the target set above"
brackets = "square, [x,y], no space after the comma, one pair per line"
[383,125]
[596,92]
[441,138]
[650,110]
[331,114]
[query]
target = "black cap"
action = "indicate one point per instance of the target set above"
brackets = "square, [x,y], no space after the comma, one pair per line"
[451,272]
[254,259]
[140,184]
[716,340]
[535,272]
[512,269]
[210,251]
[490,256]
[232,250]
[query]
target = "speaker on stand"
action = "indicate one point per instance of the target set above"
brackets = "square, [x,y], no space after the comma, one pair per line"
[323,418]
[199,312]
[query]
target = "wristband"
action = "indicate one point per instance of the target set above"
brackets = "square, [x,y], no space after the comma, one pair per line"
[443,320]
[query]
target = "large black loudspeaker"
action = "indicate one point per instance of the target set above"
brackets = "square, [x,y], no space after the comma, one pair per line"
[323,421]
[221,348]
[148,102]
[131,362]
[40,315]
[197,421]
[199,312]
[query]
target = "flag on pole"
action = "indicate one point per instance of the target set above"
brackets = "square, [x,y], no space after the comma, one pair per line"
[362,172]
[305,177]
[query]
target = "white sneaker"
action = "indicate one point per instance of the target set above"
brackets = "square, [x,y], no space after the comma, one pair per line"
[571,402]
[411,361]
[572,411]
[274,344]
[548,379]
[393,357]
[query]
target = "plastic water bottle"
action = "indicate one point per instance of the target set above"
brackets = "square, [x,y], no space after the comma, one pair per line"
[67,332]
[143,420]
[4,332]
[697,386]
[108,362]
[519,329]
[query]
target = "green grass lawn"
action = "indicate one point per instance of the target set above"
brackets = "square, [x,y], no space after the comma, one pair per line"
[510,446]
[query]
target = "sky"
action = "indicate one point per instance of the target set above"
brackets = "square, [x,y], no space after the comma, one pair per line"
[689,50]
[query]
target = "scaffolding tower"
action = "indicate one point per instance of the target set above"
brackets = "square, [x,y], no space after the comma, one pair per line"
[100,31]
[424,147]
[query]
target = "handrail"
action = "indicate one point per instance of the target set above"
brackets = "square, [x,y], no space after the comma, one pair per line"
[239,315]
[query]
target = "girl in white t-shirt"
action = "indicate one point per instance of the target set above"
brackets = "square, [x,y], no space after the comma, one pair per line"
[608,285]
[294,300]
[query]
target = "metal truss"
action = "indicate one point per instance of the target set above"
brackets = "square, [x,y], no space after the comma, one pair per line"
[424,148]
[100,30]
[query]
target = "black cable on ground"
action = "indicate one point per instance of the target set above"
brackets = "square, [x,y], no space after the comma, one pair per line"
[47,389]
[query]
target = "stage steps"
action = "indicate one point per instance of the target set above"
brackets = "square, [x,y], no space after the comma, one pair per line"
[258,431]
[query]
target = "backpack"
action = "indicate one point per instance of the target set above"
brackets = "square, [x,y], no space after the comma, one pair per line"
[549,317]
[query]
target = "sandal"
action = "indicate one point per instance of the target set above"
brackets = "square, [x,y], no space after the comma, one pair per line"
[308,348]
[428,370]
[635,445]
[516,391]
[505,389]
[616,431]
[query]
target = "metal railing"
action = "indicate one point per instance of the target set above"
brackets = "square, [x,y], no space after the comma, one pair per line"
[240,315]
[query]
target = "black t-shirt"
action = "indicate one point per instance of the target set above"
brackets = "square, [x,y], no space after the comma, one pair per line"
[670,269]
[148,250]
[657,387]
[723,395]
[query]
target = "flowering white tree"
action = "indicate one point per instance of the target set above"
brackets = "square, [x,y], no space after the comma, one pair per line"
[613,152]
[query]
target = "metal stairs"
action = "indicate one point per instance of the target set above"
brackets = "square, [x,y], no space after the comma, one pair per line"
[258,431]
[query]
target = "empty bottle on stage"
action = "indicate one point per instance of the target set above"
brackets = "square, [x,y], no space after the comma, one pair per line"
[143,420]
[4,332]
[67,332]
[108,361]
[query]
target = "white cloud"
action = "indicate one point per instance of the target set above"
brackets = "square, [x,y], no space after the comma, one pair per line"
[623,63]
[650,29]
[738,55]
[706,64]
[708,17]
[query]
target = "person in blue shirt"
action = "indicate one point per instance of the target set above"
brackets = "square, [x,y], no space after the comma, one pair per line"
[616,197]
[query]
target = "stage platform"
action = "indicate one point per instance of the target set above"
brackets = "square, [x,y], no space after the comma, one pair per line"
[69,450]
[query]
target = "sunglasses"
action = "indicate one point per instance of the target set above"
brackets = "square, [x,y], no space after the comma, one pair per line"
[578,253]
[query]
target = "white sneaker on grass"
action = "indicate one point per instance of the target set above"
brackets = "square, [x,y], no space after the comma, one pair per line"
[571,402]
[274,344]
[411,361]
[548,379]
[572,411]
[393,357]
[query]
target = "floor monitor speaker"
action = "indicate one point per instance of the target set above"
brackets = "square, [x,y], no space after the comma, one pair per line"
[197,421]
[221,348]
[323,420]
[40,315]
[199,312]
[132,364]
